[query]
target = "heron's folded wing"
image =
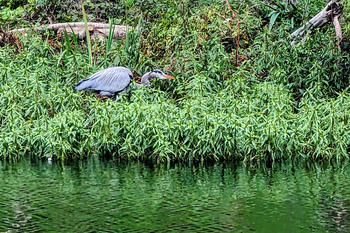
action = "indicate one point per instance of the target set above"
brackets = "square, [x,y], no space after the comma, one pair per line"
[113,82]
[113,79]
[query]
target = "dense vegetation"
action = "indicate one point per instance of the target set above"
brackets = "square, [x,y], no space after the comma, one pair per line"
[278,103]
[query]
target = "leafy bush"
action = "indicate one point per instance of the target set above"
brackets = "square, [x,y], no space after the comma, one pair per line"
[280,103]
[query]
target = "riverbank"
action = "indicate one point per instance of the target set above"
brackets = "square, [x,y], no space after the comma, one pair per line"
[279,103]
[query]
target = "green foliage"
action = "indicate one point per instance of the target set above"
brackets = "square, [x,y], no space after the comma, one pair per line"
[11,15]
[346,26]
[315,69]
[280,103]
[87,34]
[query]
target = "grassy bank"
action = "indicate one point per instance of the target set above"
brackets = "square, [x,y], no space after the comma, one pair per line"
[279,103]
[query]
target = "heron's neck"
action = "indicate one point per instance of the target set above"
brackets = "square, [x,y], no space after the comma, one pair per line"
[145,79]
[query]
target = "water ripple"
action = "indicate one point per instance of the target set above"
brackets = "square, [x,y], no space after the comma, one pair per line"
[97,196]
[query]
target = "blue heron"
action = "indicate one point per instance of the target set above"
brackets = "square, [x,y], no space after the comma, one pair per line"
[111,81]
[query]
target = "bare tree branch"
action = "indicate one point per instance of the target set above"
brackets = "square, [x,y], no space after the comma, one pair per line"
[337,27]
[330,13]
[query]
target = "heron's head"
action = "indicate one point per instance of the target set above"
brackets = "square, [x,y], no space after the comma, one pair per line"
[160,75]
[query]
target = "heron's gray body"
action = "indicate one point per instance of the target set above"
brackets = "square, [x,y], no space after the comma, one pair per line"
[111,81]
[107,82]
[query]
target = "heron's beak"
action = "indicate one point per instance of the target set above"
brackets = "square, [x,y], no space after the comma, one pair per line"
[168,76]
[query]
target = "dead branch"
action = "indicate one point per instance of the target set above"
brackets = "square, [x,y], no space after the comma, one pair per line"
[78,28]
[337,27]
[330,13]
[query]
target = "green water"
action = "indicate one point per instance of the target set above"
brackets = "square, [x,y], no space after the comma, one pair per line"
[95,196]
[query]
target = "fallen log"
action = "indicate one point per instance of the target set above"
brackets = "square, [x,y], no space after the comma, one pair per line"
[96,29]
[330,13]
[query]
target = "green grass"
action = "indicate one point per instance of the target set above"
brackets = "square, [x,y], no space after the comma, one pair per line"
[281,103]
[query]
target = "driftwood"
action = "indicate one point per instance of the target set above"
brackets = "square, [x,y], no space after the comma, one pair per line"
[97,30]
[330,13]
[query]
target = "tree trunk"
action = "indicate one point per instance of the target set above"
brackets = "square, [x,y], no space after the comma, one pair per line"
[97,29]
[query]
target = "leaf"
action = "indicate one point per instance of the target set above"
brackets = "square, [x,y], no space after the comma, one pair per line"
[273,16]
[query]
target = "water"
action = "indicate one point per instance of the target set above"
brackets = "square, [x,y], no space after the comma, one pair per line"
[95,196]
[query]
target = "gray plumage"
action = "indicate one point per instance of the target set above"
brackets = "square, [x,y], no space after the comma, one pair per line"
[108,82]
[111,81]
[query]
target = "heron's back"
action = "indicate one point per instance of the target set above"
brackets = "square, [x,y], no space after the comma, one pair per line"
[114,79]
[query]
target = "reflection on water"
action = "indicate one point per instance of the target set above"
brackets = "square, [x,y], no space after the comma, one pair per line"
[95,196]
